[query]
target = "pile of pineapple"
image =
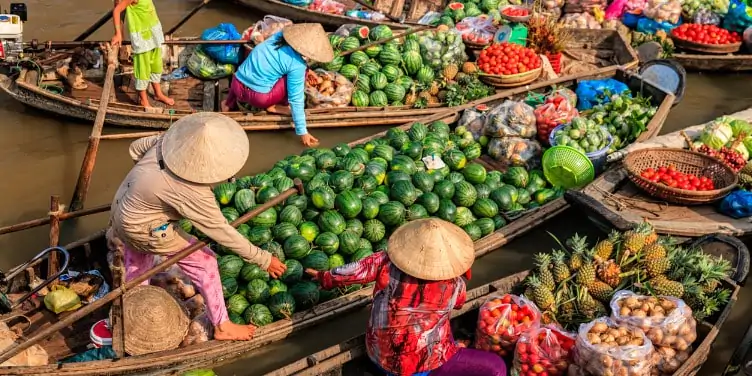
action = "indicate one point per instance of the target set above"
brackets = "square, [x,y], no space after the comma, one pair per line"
[575,287]
[745,176]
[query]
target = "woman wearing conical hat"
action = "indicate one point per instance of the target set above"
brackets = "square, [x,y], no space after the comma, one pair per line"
[418,283]
[172,180]
[275,73]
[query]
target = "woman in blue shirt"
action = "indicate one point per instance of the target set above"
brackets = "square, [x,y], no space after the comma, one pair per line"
[275,73]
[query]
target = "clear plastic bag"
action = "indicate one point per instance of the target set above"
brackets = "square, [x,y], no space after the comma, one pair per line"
[580,21]
[667,321]
[439,48]
[265,28]
[203,67]
[345,30]
[478,30]
[327,6]
[332,90]
[635,6]
[663,10]
[200,330]
[548,347]
[594,356]
[502,319]
[175,282]
[473,119]
[557,110]
[667,360]
[222,53]
[515,151]
[196,306]
[511,119]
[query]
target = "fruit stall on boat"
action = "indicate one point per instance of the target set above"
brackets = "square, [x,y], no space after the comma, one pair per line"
[578,302]
[618,201]
[336,222]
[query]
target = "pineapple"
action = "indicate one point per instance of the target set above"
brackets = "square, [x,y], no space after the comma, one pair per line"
[747,169]
[579,251]
[609,272]
[693,294]
[469,68]
[654,251]
[712,271]
[565,302]
[425,95]
[561,270]
[586,304]
[542,296]
[543,263]
[657,266]
[634,240]
[450,71]
[664,286]
[433,100]
[410,99]
[586,274]
[601,291]
[647,229]
[434,88]
[605,247]
[442,95]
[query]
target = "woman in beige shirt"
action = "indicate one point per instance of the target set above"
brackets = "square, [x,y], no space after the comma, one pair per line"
[172,180]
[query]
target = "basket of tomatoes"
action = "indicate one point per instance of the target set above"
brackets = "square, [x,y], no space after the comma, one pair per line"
[508,65]
[680,176]
[706,38]
[502,320]
[515,13]
[543,351]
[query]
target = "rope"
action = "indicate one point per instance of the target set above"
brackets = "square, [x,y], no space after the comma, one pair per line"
[60,210]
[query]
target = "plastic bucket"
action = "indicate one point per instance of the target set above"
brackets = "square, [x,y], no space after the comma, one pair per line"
[598,157]
[100,334]
[666,74]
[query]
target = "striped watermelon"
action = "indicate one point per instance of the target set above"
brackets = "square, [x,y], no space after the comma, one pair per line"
[411,45]
[358,58]
[392,72]
[350,71]
[389,56]
[378,99]
[413,62]
[373,51]
[363,83]
[335,40]
[350,43]
[335,65]
[360,99]
[394,92]
[360,32]
[404,81]
[370,68]
[425,75]
[378,82]
[380,32]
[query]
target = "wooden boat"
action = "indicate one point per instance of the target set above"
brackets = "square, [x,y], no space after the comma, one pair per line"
[213,352]
[349,358]
[592,49]
[614,199]
[720,63]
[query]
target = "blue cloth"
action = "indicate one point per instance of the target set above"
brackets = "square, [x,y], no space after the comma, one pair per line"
[222,53]
[266,65]
[594,92]
[648,26]
[630,20]
[737,205]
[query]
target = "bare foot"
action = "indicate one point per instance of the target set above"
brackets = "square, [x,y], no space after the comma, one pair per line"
[229,331]
[145,103]
[166,100]
[282,110]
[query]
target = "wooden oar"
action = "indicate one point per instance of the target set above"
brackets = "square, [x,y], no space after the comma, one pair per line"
[376,43]
[102,20]
[187,17]
[112,295]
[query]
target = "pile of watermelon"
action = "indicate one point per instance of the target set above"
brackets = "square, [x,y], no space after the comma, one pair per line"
[355,198]
[394,73]
[458,10]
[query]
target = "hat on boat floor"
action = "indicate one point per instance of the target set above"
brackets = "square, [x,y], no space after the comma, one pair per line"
[309,40]
[153,320]
[205,147]
[431,249]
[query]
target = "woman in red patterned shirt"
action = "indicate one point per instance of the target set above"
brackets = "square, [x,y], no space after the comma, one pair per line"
[418,283]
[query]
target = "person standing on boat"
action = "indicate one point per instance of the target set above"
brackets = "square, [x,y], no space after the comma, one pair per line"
[145,32]
[172,180]
[276,71]
[418,283]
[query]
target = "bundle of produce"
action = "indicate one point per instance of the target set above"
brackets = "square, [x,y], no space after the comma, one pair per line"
[456,12]
[667,321]
[502,320]
[477,30]
[556,110]
[515,151]
[544,350]
[663,10]
[706,17]
[604,347]
[327,90]
[705,34]
[508,59]
[668,175]
[473,120]
[466,88]
[441,47]
[717,140]
[666,360]
[584,135]
[625,117]
[548,37]
[580,21]
[716,7]
[327,6]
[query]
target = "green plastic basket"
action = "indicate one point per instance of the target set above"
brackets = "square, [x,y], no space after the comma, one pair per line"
[567,167]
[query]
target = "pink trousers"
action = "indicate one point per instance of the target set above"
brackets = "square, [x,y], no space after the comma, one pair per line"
[243,94]
[200,267]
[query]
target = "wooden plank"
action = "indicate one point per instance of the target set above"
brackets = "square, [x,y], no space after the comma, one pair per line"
[210,96]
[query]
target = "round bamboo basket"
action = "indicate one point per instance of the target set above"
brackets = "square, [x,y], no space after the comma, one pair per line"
[154,321]
[686,161]
[476,46]
[519,79]
[706,48]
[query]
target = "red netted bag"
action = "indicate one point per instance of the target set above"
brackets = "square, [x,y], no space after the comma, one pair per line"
[545,350]
[555,111]
[502,320]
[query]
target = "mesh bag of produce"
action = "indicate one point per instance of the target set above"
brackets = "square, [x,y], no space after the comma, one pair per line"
[331,90]
[666,320]
[580,21]
[203,67]
[473,119]
[439,48]
[663,10]
[606,348]
[502,320]
[739,17]
[543,349]
[265,28]
[511,119]
[479,30]
[667,360]
[555,111]
[515,151]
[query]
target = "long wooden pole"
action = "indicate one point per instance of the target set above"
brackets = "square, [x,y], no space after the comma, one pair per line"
[43,221]
[187,17]
[54,233]
[102,20]
[114,294]
[87,167]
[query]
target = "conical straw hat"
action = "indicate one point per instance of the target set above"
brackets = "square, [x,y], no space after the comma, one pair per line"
[310,40]
[205,147]
[431,249]
[153,320]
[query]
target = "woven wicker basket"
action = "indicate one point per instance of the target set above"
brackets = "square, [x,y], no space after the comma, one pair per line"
[513,80]
[688,162]
[706,48]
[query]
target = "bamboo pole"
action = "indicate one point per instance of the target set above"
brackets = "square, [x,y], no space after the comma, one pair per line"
[187,17]
[114,294]
[55,211]
[87,166]
[43,221]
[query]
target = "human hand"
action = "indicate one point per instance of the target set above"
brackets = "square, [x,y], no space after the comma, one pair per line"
[309,140]
[313,273]
[311,78]
[276,268]
[116,40]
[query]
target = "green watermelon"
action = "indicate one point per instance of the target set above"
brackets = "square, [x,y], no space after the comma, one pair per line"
[474,173]
[336,260]
[380,196]
[430,201]
[447,210]
[473,151]
[332,221]
[305,293]
[360,98]
[392,213]
[416,211]
[423,181]
[444,189]
[304,172]
[354,225]
[229,266]
[360,254]
[367,183]
[516,176]
[260,181]
[358,58]
[323,198]
[348,242]
[385,152]
[373,51]
[298,201]
[250,272]
[237,304]
[257,291]
[276,286]
[473,230]
[309,231]
[230,214]
[464,216]
[405,81]
[380,32]
[363,83]
[293,273]
[291,214]
[229,286]
[327,242]
[296,247]
[316,260]
[275,249]
[258,315]
[392,72]
[370,68]
[352,164]
[365,244]
[244,200]
[378,81]
[341,181]
[223,192]
[234,318]
[245,182]
[350,43]
[284,183]
[284,230]
[413,62]
[404,164]
[378,98]
[411,45]
[483,190]
[404,192]
[417,132]
[505,197]
[486,226]
[186,225]
[335,64]
[259,235]
[425,75]
[349,71]
[389,56]
[485,208]
[455,159]
[267,218]
[370,208]
[465,194]
[282,305]
[414,150]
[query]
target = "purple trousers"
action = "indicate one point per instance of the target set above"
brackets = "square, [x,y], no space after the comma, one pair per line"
[243,94]
[469,362]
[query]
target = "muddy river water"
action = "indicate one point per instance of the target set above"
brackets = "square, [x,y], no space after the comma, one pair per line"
[41,155]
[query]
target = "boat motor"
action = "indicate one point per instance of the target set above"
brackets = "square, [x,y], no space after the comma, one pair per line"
[11,33]
[7,305]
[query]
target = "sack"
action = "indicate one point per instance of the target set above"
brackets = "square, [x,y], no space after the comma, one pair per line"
[500,325]
[548,345]
[511,119]
[222,53]
[739,17]
[557,110]
[473,120]
[62,299]
[630,19]
[594,357]
[327,6]
[478,30]
[203,67]
[663,10]
[649,26]
[33,356]
[737,205]
[332,90]
[666,321]
[265,28]
[594,92]
[515,151]
[616,9]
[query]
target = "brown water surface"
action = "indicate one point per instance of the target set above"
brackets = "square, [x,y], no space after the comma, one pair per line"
[40,155]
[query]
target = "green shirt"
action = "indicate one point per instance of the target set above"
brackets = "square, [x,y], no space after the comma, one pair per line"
[144,28]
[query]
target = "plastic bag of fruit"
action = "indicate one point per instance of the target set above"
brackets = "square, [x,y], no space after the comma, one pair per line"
[593,92]
[544,349]
[327,6]
[667,360]
[555,111]
[579,6]
[265,28]
[345,30]
[606,348]
[502,320]
[515,151]
[635,6]
[330,90]
[473,120]
[478,30]
[667,321]
[663,10]
[706,17]
[580,21]
[511,119]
